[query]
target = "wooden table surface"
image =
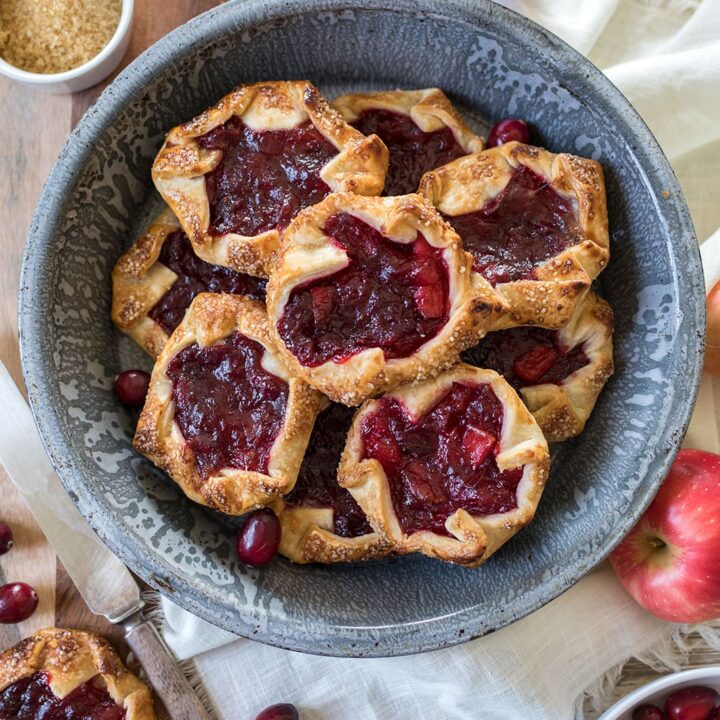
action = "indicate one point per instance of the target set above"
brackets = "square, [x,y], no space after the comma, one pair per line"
[32,133]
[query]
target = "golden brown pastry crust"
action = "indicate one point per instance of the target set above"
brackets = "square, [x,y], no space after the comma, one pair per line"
[430,109]
[474,538]
[562,410]
[210,318]
[468,183]
[307,537]
[181,164]
[139,281]
[308,253]
[71,658]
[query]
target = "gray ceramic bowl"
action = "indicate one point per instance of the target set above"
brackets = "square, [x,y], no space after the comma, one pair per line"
[493,63]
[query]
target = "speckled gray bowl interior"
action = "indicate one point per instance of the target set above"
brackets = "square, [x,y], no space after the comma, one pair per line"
[493,64]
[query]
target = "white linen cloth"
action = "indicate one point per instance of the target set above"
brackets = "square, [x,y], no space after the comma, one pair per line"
[665,56]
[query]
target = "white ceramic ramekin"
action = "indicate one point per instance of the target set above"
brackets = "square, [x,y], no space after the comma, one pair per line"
[84,76]
[656,691]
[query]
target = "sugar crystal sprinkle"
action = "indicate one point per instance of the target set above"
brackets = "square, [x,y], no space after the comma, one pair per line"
[53,36]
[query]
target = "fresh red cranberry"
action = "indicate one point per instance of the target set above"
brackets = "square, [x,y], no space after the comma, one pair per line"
[17,602]
[508,130]
[131,387]
[281,711]
[691,703]
[647,712]
[258,539]
[6,538]
[714,714]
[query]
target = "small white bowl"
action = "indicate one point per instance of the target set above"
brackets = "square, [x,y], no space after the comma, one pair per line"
[657,691]
[83,76]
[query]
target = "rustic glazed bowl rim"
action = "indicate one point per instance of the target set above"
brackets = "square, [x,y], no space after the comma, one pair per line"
[306,634]
[657,690]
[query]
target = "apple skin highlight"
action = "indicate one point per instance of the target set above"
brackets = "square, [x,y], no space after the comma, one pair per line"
[670,561]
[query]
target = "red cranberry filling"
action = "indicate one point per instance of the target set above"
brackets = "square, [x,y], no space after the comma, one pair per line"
[317,485]
[265,177]
[523,226]
[527,356]
[196,276]
[443,461]
[412,151]
[390,295]
[228,407]
[31,698]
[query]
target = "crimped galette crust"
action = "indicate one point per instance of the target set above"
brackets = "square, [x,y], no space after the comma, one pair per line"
[181,164]
[474,538]
[430,109]
[562,410]
[468,183]
[71,658]
[307,537]
[139,281]
[307,254]
[209,319]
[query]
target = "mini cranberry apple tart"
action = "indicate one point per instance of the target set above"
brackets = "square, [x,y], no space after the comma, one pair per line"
[155,281]
[450,467]
[535,223]
[320,521]
[237,174]
[223,416]
[58,674]
[558,373]
[368,293]
[421,129]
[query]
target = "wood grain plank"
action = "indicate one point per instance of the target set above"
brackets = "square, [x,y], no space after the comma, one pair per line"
[32,132]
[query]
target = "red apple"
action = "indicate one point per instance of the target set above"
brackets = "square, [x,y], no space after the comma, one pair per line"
[712,340]
[669,561]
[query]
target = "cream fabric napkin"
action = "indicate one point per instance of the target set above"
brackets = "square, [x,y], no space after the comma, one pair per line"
[665,56]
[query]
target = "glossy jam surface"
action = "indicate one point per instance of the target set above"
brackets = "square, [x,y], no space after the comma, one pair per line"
[391,295]
[527,356]
[265,177]
[32,699]
[196,276]
[523,226]
[317,485]
[412,151]
[443,461]
[229,409]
